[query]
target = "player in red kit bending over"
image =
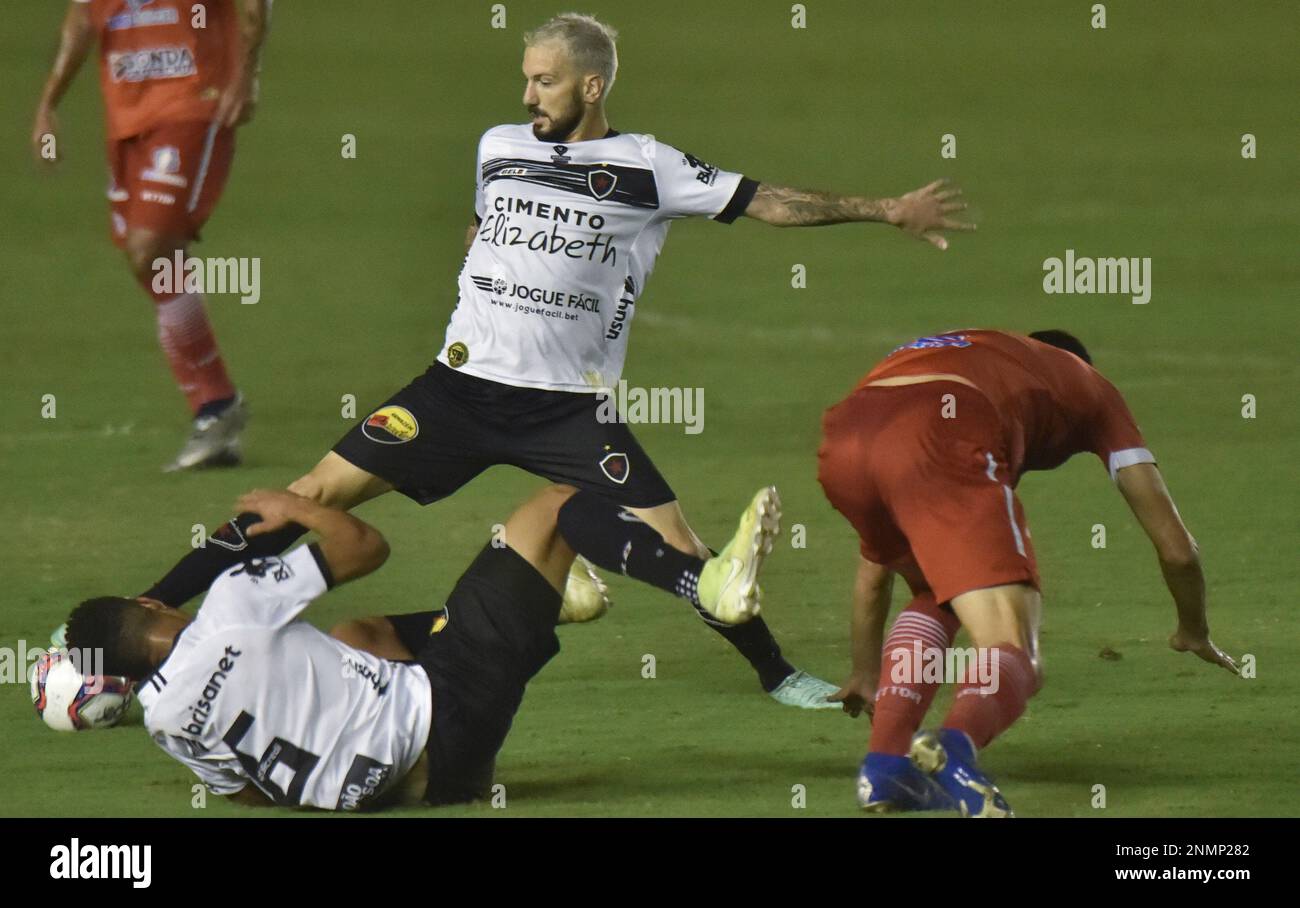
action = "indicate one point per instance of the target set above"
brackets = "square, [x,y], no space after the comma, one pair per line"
[176,78]
[922,459]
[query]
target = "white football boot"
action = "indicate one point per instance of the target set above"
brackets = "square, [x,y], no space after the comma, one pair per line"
[729,588]
[214,440]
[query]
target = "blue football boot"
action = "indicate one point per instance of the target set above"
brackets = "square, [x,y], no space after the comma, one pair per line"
[948,757]
[887,782]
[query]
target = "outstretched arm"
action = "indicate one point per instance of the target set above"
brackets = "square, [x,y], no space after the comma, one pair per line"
[239,100]
[352,548]
[922,213]
[1180,563]
[76,39]
[872,590]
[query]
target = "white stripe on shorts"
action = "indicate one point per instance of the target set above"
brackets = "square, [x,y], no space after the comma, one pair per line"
[1011,504]
[208,141]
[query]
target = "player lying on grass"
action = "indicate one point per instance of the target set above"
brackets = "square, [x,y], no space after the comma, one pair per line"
[244,692]
[175,86]
[922,459]
[569,218]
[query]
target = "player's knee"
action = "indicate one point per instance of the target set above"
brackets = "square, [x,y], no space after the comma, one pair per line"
[143,248]
[571,508]
[553,499]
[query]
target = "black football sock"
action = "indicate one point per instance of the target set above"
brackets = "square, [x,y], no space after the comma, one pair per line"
[756,643]
[225,548]
[615,540]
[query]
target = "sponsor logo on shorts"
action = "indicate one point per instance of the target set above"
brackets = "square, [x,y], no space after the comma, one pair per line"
[166,167]
[601,183]
[153,195]
[391,426]
[457,355]
[151,63]
[616,466]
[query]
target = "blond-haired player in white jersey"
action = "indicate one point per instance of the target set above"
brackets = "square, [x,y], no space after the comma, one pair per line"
[569,217]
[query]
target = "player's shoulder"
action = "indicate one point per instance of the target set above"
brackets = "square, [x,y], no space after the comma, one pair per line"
[508,132]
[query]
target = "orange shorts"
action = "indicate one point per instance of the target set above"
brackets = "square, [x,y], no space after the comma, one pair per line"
[923,477]
[168,180]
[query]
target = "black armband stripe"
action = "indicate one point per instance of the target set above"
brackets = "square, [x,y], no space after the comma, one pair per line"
[740,200]
[321,563]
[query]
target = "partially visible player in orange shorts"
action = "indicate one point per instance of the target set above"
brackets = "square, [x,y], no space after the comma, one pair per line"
[923,458]
[177,78]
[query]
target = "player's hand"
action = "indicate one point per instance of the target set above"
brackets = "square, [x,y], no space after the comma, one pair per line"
[923,213]
[1182,641]
[45,128]
[858,695]
[239,101]
[277,508]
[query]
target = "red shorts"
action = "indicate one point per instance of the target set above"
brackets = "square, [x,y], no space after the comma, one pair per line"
[168,180]
[930,495]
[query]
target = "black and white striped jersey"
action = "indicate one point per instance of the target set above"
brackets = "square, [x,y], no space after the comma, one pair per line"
[567,235]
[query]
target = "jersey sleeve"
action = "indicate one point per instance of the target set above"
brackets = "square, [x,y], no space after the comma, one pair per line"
[266,592]
[688,186]
[480,205]
[1116,438]
[222,775]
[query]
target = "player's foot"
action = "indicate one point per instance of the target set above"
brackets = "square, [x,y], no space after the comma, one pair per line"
[948,757]
[586,597]
[214,439]
[804,691]
[889,783]
[728,587]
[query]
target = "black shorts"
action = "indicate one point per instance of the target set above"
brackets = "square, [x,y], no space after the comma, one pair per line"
[495,634]
[446,427]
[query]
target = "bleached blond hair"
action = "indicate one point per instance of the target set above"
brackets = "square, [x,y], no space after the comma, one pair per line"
[588,41]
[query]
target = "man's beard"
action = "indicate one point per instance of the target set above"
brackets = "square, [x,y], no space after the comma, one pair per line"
[559,129]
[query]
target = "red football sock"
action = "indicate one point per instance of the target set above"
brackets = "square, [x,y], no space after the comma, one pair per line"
[191,348]
[900,707]
[985,714]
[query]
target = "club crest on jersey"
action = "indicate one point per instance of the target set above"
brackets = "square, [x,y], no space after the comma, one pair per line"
[390,426]
[458,353]
[601,183]
[616,467]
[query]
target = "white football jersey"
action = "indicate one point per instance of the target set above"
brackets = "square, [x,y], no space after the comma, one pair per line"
[249,694]
[568,234]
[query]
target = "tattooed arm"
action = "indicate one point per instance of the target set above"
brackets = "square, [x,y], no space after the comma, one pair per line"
[922,213]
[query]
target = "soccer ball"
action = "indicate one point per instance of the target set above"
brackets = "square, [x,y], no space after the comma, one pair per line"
[69,701]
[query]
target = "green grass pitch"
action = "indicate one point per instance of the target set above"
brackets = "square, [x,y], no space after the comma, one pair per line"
[1121,141]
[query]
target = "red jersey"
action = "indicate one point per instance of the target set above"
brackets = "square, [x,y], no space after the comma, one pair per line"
[1052,405]
[156,67]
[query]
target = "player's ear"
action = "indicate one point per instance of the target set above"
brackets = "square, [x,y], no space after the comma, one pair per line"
[593,86]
